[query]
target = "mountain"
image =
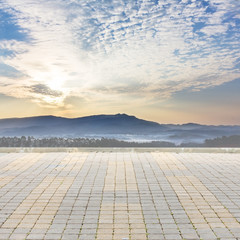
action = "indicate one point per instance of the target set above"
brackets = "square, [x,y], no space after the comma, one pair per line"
[58,126]
[119,126]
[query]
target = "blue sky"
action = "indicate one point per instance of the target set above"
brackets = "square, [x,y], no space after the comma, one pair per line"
[159,60]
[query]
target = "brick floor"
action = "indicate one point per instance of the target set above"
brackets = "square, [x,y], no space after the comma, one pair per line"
[119,195]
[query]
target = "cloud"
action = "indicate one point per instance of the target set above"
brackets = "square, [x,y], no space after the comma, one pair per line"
[214,29]
[44,90]
[150,49]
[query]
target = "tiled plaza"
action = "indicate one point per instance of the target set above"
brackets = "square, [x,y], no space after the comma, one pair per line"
[119,195]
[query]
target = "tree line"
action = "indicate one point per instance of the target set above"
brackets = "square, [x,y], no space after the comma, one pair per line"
[75,142]
[231,141]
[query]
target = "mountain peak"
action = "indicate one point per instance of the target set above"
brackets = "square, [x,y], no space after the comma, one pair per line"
[191,124]
[124,115]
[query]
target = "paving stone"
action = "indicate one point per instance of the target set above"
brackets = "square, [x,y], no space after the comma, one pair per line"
[35,236]
[19,236]
[114,195]
[4,236]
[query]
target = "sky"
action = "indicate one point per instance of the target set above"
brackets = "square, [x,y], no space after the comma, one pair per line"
[170,61]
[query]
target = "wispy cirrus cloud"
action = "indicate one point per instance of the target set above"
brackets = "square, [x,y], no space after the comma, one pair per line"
[148,48]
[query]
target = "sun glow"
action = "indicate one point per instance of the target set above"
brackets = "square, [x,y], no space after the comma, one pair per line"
[53,101]
[53,92]
[56,80]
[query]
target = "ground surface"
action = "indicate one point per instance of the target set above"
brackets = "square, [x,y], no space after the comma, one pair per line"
[118,195]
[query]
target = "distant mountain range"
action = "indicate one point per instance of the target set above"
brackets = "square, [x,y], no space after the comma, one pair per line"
[119,126]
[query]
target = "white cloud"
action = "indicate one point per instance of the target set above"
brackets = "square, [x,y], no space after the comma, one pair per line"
[215,29]
[79,47]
